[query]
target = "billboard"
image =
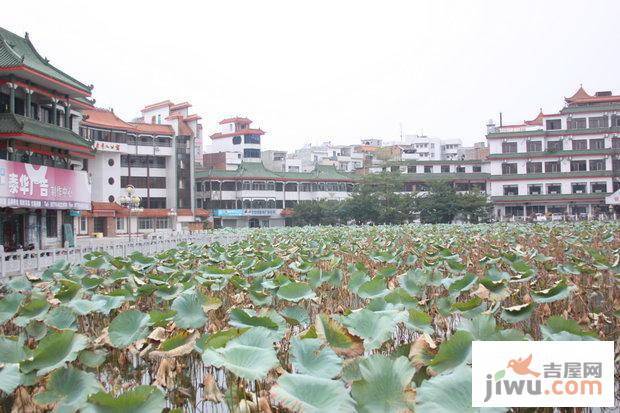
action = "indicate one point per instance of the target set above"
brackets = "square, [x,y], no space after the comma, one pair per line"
[24,185]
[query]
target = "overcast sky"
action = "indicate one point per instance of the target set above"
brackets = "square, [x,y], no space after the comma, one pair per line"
[332,70]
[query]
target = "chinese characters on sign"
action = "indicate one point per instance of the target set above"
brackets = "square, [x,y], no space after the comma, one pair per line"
[36,186]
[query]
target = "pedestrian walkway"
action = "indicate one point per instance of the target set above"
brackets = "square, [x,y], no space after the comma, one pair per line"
[21,262]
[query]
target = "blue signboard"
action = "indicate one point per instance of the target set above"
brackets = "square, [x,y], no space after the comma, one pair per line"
[228,213]
[219,213]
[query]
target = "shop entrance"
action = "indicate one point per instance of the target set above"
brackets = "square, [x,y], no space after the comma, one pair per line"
[99,225]
[254,223]
[11,230]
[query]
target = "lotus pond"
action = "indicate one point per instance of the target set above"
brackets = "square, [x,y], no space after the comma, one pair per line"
[367,319]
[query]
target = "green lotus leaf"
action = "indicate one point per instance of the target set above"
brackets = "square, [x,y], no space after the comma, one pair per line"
[189,310]
[295,292]
[54,351]
[374,328]
[296,315]
[356,279]
[383,384]
[241,318]
[140,399]
[249,356]
[376,287]
[469,308]
[92,358]
[36,329]
[310,357]
[12,350]
[69,389]
[61,318]
[337,336]
[414,282]
[106,303]
[311,394]
[161,318]
[20,283]
[419,321]
[68,290]
[386,272]
[84,307]
[219,339]
[517,313]
[559,291]
[568,269]
[33,309]
[463,283]
[452,352]
[561,329]
[449,393]
[498,290]
[402,297]
[128,327]
[9,306]
[10,377]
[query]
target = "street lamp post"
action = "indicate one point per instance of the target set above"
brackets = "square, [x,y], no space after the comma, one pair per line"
[131,201]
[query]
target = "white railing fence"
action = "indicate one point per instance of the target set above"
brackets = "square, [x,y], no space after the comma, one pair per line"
[20,262]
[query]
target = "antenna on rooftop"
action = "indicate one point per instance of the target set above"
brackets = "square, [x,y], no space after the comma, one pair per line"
[400,124]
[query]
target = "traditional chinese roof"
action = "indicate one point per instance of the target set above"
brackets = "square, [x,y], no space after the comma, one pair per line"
[19,56]
[538,120]
[163,104]
[105,119]
[236,119]
[583,97]
[246,131]
[152,128]
[30,130]
[251,170]
[184,129]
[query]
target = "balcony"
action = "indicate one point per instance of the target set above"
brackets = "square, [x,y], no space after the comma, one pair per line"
[31,130]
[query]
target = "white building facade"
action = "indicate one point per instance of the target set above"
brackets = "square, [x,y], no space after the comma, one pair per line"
[561,163]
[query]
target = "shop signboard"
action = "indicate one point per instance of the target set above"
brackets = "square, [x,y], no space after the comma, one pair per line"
[24,185]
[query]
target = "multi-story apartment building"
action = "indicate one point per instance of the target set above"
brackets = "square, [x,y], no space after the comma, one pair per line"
[464,175]
[43,185]
[344,158]
[565,163]
[155,158]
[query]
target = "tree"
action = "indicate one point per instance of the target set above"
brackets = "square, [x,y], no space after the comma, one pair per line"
[378,199]
[442,204]
[317,212]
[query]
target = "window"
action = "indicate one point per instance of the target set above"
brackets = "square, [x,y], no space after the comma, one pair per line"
[111,181]
[271,186]
[597,143]
[554,189]
[599,187]
[555,145]
[428,169]
[534,167]
[598,122]
[580,144]
[579,187]
[236,140]
[251,139]
[162,223]
[511,190]
[251,153]
[258,185]
[120,224]
[552,166]
[445,168]
[477,168]
[411,169]
[554,124]
[291,187]
[577,123]
[145,223]
[534,146]
[509,169]
[577,166]
[247,185]
[83,225]
[509,147]
[460,169]
[534,189]
[111,162]
[51,224]
[516,211]
[111,198]
[597,164]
